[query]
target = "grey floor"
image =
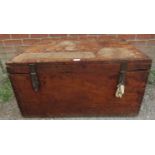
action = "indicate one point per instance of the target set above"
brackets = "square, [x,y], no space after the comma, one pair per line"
[10,110]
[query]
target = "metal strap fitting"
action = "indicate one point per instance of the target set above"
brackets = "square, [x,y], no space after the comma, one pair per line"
[121,82]
[34,77]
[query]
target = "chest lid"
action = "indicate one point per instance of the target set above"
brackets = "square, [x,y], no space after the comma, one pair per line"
[74,55]
[66,50]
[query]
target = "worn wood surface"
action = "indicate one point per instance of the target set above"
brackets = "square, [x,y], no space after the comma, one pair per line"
[82,66]
[72,94]
[87,50]
[82,88]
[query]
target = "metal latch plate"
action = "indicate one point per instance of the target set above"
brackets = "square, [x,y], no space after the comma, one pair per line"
[34,77]
[121,82]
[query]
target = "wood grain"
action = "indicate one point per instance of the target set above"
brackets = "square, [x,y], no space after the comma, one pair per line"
[83,88]
[73,94]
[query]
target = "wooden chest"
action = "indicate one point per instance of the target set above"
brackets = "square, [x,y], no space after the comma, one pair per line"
[65,78]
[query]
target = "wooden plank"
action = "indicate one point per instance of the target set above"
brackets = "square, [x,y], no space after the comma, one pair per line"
[66,50]
[80,66]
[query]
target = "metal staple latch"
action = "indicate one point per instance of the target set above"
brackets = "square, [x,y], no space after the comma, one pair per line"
[121,83]
[34,77]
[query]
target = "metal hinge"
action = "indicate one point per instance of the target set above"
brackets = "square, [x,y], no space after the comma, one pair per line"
[34,77]
[121,82]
